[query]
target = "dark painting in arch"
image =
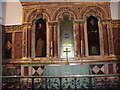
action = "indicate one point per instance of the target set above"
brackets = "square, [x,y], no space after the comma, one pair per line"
[93,36]
[8,46]
[40,38]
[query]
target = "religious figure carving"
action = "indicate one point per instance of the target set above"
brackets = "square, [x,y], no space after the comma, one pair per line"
[40,40]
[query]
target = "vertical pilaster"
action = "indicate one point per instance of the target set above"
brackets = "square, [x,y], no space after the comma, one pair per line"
[82,40]
[55,39]
[29,41]
[51,27]
[105,38]
[13,43]
[101,38]
[110,38]
[77,38]
[24,43]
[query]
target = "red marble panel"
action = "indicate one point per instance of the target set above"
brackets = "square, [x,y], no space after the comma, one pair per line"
[29,43]
[110,69]
[116,40]
[26,71]
[18,45]
[105,38]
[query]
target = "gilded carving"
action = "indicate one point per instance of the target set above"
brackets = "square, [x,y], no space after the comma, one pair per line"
[93,10]
[60,11]
[13,28]
[38,13]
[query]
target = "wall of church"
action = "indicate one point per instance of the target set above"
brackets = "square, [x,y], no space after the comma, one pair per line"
[12,13]
[1,13]
[115,10]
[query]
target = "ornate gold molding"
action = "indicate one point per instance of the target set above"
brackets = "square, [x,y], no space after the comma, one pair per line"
[27,25]
[54,10]
[12,28]
[53,23]
[16,28]
[115,23]
[106,22]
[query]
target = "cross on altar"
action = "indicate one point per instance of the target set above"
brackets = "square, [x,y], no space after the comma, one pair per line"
[67,55]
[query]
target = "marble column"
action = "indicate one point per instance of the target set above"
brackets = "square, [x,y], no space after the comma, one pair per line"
[55,44]
[29,41]
[13,44]
[110,38]
[82,40]
[77,38]
[51,33]
[24,42]
[105,38]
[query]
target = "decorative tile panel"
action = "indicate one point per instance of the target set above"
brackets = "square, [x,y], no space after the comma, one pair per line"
[37,70]
[98,68]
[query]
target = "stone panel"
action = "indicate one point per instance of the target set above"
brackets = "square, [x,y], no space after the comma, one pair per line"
[18,45]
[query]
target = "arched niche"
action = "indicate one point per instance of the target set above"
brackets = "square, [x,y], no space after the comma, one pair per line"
[35,24]
[93,36]
[40,38]
[66,37]
[100,14]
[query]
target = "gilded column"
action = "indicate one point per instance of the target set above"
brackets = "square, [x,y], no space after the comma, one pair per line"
[82,39]
[55,40]
[105,38]
[77,38]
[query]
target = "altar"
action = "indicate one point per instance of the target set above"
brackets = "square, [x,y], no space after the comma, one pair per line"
[59,70]
[68,82]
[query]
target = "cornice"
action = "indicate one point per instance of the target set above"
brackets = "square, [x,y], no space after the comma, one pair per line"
[72,3]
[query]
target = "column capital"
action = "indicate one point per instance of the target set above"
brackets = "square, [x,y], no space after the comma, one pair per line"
[52,23]
[79,22]
[106,22]
[27,25]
